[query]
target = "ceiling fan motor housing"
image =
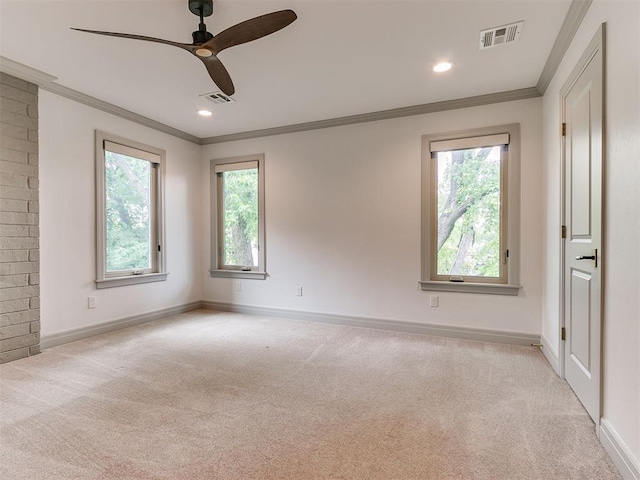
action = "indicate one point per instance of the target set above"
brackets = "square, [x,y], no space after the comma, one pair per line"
[201,36]
[201,6]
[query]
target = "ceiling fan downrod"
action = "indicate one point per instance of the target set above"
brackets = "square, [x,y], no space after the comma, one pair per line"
[201,9]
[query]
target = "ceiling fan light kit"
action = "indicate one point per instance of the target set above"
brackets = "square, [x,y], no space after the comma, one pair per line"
[203,52]
[207,46]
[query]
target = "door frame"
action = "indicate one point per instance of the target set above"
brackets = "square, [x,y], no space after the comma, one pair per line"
[596,44]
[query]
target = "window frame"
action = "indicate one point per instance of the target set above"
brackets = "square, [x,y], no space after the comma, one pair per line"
[233,271]
[510,233]
[155,156]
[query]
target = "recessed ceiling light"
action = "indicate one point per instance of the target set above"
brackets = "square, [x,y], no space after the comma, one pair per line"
[204,113]
[442,67]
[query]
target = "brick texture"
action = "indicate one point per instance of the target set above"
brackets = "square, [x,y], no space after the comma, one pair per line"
[19,220]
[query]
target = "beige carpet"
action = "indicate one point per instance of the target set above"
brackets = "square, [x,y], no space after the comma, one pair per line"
[209,395]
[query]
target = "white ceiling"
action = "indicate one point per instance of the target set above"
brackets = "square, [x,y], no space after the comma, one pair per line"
[339,58]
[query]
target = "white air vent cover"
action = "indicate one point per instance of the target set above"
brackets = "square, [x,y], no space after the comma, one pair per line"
[218,98]
[500,35]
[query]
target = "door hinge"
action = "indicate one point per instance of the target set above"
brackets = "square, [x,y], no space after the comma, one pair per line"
[564,334]
[564,129]
[564,231]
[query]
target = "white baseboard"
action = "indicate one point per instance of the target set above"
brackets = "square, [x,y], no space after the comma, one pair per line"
[48,341]
[551,354]
[477,334]
[622,457]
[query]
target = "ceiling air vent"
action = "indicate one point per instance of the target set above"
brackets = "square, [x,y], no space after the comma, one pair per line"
[218,98]
[500,35]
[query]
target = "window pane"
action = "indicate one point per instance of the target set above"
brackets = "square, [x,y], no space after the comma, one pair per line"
[128,212]
[469,211]
[240,217]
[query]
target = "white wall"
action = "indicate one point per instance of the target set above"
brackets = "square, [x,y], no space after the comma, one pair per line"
[621,332]
[67,213]
[343,221]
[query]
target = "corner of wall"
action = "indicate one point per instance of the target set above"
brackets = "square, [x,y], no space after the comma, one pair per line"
[551,354]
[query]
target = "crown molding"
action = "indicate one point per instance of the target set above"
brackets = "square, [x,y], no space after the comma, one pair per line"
[572,21]
[47,82]
[476,101]
[118,111]
[18,70]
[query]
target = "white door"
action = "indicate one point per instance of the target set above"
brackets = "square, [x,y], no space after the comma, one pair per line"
[582,106]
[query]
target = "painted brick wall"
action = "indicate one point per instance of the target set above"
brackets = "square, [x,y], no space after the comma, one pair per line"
[19,223]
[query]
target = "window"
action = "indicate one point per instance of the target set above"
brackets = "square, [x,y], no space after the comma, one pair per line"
[470,211]
[237,223]
[130,233]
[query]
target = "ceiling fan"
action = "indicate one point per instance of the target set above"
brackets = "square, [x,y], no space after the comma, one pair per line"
[207,46]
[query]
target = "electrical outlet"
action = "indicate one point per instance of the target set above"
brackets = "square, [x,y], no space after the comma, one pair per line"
[434,301]
[298,291]
[91,302]
[238,286]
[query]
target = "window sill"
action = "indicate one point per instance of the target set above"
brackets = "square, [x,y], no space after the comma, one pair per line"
[466,287]
[238,274]
[130,280]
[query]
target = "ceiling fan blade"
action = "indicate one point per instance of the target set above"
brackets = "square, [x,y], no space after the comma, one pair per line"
[219,74]
[185,46]
[251,29]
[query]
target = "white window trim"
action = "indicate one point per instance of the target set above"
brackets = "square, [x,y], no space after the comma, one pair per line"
[512,287]
[216,270]
[155,155]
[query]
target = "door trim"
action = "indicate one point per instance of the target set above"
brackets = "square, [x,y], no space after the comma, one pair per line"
[597,44]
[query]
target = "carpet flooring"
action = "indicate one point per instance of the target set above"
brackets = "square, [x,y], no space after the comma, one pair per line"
[212,395]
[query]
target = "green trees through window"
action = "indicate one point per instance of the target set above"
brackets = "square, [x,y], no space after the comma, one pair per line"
[128,183]
[240,217]
[469,212]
